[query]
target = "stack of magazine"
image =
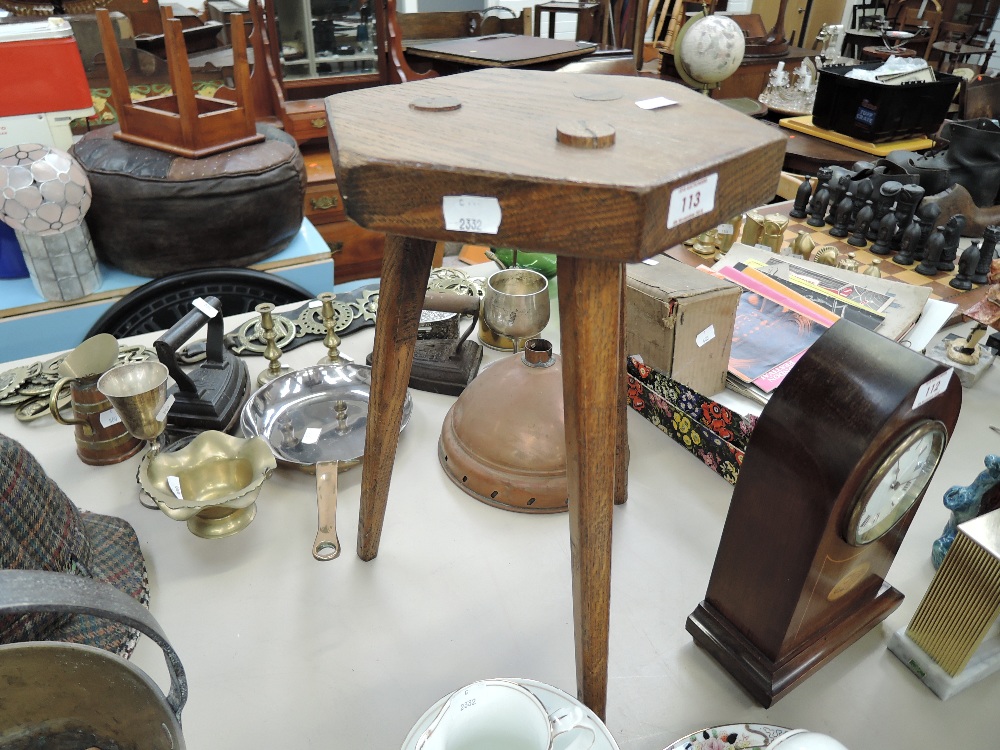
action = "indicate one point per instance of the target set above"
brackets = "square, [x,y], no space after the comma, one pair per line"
[788,302]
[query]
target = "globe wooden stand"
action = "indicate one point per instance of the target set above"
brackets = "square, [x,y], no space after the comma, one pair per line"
[635,185]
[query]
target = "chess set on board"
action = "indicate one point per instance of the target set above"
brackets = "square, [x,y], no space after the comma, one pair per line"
[872,223]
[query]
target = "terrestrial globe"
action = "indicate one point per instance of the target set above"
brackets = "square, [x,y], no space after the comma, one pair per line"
[709,49]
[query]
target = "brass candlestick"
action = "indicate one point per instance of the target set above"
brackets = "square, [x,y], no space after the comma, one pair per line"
[272,353]
[332,340]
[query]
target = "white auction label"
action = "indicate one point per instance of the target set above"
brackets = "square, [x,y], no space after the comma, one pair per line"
[471,213]
[932,388]
[109,418]
[705,336]
[311,435]
[694,199]
[651,262]
[162,413]
[174,483]
[205,307]
[655,103]
[724,229]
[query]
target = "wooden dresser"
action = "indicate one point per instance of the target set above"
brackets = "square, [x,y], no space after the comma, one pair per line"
[357,252]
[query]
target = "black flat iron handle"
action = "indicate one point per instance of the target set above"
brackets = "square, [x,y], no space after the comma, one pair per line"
[167,345]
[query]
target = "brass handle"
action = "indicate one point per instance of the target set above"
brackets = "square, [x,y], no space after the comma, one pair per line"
[54,404]
[319,122]
[336,247]
[323,203]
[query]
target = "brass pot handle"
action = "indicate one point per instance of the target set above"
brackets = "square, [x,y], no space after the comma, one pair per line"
[54,404]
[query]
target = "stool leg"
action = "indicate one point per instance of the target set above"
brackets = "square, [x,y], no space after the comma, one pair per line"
[406,266]
[590,294]
[621,448]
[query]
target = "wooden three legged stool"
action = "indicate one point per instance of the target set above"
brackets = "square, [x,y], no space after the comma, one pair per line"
[572,166]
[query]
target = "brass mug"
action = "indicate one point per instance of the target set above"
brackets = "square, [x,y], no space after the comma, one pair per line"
[101,437]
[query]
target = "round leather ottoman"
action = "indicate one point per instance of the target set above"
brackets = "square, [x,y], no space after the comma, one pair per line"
[154,213]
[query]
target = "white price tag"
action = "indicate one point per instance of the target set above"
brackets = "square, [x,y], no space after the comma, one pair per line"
[162,413]
[705,336]
[315,303]
[932,388]
[109,418]
[471,213]
[694,199]
[311,435]
[724,229]
[205,307]
[655,103]
[174,483]
[651,262]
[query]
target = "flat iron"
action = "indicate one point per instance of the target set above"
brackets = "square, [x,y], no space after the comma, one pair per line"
[210,396]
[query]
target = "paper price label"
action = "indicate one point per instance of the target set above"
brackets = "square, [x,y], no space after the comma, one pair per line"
[174,483]
[705,336]
[932,388]
[724,229]
[655,103]
[205,307]
[162,413]
[694,199]
[651,262]
[311,435]
[109,418]
[471,213]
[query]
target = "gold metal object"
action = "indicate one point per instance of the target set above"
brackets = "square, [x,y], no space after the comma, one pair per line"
[138,391]
[319,122]
[803,245]
[753,228]
[873,270]
[963,600]
[825,254]
[510,451]
[271,351]
[332,340]
[849,263]
[212,483]
[705,244]
[323,202]
[727,233]
[773,232]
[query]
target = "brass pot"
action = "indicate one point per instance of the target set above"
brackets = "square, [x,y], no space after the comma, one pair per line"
[504,439]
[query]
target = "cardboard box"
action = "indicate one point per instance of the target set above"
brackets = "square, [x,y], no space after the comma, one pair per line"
[680,321]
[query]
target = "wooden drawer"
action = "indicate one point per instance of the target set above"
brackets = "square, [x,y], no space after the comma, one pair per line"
[323,204]
[357,252]
[306,120]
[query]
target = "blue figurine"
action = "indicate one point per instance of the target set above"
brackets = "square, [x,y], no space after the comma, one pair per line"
[966,503]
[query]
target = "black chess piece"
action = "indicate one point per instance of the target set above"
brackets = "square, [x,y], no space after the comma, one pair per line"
[802,197]
[966,268]
[842,218]
[818,207]
[906,204]
[886,231]
[884,200]
[862,192]
[990,237]
[907,245]
[838,188]
[927,216]
[952,236]
[823,175]
[861,222]
[932,253]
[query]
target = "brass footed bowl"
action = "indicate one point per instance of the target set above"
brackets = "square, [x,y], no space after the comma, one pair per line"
[212,483]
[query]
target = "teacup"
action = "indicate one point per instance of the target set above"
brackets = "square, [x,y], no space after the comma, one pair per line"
[500,715]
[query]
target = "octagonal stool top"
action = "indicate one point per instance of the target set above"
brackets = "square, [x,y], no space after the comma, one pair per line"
[558,162]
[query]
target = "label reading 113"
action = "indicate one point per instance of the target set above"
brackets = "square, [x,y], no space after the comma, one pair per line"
[471,213]
[691,200]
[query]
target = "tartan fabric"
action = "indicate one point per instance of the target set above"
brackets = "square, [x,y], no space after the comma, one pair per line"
[41,529]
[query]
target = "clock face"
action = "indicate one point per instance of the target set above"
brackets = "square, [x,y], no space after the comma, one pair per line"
[898,482]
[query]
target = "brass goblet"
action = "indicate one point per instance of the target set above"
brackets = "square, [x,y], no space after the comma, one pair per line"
[138,391]
[516,304]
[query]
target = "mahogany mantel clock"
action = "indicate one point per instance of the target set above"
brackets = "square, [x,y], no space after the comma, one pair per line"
[833,475]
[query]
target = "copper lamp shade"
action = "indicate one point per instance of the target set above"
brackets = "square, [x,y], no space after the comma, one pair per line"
[504,439]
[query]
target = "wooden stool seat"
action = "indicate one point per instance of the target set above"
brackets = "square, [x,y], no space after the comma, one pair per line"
[586,17]
[411,162]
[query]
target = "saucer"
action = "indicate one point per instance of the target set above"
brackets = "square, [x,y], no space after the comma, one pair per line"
[742,736]
[552,698]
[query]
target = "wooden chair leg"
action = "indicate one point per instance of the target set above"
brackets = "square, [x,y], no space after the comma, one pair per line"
[590,295]
[406,266]
[621,449]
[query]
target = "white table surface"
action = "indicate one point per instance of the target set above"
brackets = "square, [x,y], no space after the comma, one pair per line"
[282,651]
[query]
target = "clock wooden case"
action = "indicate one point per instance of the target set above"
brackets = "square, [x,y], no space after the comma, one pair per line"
[833,475]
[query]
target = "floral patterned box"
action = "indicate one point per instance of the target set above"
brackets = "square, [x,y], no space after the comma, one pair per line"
[716,435]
